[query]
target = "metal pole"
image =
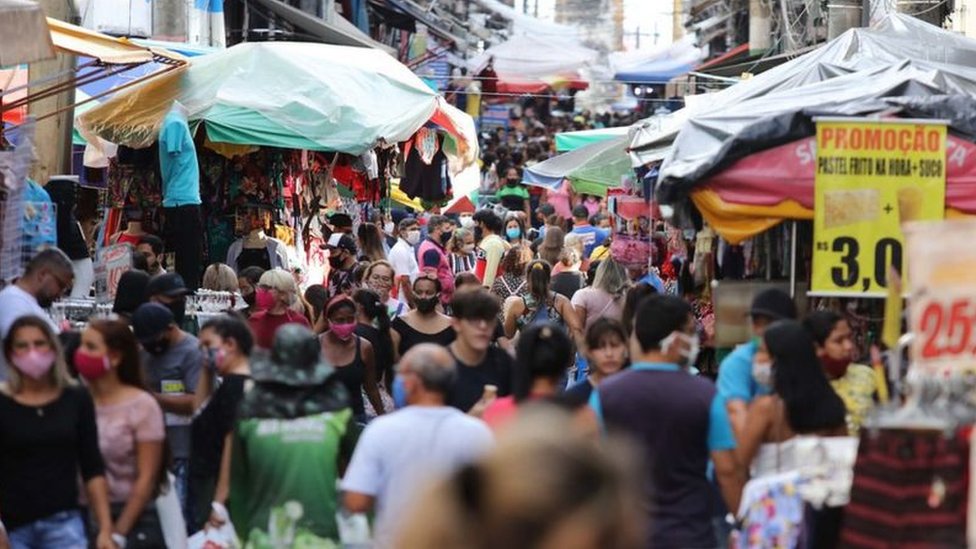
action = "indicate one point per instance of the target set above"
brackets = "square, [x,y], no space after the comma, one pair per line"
[793,260]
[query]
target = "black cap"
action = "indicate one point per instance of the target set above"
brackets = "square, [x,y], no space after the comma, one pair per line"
[167,284]
[340,220]
[341,241]
[773,303]
[580,212]
[150,320]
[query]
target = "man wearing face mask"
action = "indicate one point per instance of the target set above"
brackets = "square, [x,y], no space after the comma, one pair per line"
[48,277]
[399,453]
[169,290]
[738,381]
[403,258]
[671,413]
[513,195]
[172,360]
[432,255]
[342,260]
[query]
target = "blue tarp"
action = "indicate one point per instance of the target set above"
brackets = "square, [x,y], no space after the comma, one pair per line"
[659,71]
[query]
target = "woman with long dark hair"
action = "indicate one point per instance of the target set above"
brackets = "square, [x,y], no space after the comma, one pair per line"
[131,433]
[802,403]
[423,324]
[540,304]
[856,384]
[373,325]
[544,353]
[49,435]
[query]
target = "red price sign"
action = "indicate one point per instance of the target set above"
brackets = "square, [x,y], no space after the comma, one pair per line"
[942,298]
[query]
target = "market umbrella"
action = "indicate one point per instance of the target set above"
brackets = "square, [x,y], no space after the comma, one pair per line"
[24,36]
[279,94]
[570,141]
[591,169]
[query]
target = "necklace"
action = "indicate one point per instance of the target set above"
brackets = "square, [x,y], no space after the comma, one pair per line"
[40,411]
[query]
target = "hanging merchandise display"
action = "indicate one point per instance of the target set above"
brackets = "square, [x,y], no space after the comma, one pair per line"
[425,170]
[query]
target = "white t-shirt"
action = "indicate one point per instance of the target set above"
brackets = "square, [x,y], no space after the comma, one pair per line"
[399,453]
[404,261]
[16,303]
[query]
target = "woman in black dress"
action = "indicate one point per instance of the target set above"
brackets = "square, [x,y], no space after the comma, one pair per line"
[351,356]
[423,324]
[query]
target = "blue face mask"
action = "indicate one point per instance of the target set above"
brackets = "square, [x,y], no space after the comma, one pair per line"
[513,233]
[399,393]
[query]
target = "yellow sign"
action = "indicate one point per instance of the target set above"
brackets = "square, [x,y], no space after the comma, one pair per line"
[872,176]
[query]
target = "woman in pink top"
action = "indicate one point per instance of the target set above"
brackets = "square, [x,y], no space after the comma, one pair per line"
[544,353]
[130,430]
[561,199]
[605,299]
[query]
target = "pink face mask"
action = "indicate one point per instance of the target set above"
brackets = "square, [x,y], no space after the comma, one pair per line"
[34,364]
[91,367]
[343,331]
[263,299]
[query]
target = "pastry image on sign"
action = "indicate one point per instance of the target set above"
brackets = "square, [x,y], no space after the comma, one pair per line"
[909,204]
[849,207]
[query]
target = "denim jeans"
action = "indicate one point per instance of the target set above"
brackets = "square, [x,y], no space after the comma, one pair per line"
[65,530]
[181,473]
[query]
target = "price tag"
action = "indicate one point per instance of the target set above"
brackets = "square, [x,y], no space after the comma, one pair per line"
[942,302]
[871,177]
[111,262]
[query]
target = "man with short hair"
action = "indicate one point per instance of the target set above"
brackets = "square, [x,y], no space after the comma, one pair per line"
[342,260]
[172,360]
[152,248]
[432,254]
[680,421]
[403,258]
[48,277]
[736,382]
[479,362]
[491,247]
[169,290]
[590,235]
[400,453]
[341,223]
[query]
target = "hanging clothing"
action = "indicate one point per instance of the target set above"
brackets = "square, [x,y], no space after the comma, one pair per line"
[425,170]
[910,489]
[275,250]
[771,512]
[253,257]
[183,235]
[178,162]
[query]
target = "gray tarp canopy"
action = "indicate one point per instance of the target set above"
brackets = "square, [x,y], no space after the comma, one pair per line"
[900,63]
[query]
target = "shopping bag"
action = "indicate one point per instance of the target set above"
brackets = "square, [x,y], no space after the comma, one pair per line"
[214,538]
[171,516]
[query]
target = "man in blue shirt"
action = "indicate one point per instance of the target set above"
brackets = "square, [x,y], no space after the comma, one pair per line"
[590,235]
[736,382]
[678,419]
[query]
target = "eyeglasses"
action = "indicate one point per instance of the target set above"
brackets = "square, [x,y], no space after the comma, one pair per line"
[63,285]
[380,278]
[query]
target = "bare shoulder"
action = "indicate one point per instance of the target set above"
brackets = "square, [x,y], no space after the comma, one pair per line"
[764,405]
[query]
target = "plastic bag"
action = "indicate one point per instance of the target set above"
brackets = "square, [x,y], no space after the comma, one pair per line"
[216,538]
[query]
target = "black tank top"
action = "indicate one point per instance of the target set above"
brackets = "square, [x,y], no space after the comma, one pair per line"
[409,336]
[353,376]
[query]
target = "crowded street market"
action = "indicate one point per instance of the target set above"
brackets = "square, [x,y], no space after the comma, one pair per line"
[395,275]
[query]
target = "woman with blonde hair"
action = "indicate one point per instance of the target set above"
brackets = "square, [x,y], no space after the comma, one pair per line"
[461,248]
[605,298]
[220,278]
[545,485]
[49,433]
[275,295]
[567,276]
[379,277]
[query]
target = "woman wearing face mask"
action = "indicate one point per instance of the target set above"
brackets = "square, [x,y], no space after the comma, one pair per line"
[856,384]
[51,423]
[351,356]
[275,294]
[423,324]
[515,231]
[379,277]
[802,403]
[461,246]
[512,194]
[606,354]
[131,433]
[228,343]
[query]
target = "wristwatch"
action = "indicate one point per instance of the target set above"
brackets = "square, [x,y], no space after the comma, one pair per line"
[119,540]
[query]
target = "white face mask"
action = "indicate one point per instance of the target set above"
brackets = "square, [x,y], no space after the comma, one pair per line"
[467,222]
[689,355]
[413,237]
[762,372]
[468,248]
[388,227]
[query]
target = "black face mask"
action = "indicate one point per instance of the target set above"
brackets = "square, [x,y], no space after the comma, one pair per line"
[479,233]
[445,238]
[511,182]
[426,305]
[335,262]
[178,308]
[157,347]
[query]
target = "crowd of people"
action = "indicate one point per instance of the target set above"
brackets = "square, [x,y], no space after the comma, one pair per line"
[448,377]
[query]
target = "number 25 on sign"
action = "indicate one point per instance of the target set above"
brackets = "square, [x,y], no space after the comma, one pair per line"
[946,328]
